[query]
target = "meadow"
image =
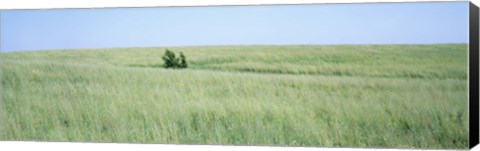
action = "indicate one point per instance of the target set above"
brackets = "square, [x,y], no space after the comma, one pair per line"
[384,96]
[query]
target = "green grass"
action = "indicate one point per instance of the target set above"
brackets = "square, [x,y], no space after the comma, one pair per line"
[397,96]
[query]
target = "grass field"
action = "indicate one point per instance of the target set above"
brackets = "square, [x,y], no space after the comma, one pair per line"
[384,96]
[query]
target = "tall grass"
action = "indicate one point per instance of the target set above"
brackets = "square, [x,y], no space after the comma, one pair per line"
[355,96]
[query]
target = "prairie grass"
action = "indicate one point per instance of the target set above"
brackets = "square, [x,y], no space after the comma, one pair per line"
[399,96]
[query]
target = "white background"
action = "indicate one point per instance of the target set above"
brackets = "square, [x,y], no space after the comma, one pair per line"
[48,4]
[29,4]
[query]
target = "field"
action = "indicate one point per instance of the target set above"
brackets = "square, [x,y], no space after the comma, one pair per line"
[386,96]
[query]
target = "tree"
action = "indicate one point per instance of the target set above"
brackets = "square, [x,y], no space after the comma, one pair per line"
[170,61]
[183,61]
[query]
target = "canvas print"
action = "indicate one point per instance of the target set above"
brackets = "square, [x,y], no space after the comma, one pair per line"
[369,75]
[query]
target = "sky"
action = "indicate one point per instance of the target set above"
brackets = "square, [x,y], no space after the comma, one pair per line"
[371,23]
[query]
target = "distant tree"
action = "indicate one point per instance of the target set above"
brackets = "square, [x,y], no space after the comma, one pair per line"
[170,61]
[183,61]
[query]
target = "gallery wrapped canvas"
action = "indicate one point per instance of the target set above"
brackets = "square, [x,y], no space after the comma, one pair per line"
[369,75]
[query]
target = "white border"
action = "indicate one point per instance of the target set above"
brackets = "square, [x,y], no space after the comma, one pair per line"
[54,4]
[61,146]
[49,4]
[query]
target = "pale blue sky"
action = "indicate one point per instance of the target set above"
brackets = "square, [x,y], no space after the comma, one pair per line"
[372,23]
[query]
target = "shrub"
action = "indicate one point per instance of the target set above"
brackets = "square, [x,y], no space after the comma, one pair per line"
[170,61]
[183,61]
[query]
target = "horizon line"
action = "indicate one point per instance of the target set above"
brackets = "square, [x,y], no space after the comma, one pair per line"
[60,49]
